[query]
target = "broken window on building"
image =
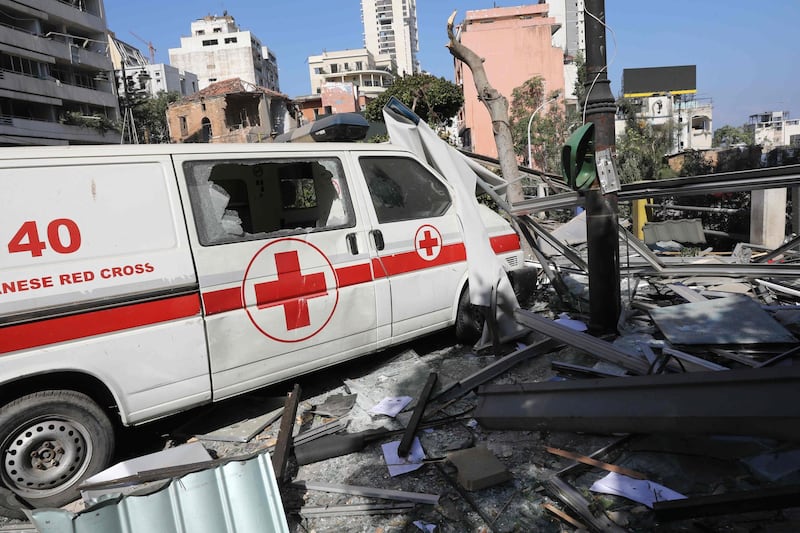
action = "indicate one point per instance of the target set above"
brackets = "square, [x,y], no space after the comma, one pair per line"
[250,200]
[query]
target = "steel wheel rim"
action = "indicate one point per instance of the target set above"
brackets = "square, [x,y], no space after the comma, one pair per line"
[43,456]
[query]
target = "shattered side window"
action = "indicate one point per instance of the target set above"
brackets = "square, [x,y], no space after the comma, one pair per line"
[402,189]
[259,199]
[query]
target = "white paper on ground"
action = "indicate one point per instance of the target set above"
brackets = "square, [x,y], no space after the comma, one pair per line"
[639,490]
[391,406]
[425,526]
[402,465]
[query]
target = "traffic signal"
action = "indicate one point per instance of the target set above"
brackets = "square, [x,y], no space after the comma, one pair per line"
[577,158]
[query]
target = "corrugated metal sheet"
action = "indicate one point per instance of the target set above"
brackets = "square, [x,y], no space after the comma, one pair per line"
[689,230]
[239,496]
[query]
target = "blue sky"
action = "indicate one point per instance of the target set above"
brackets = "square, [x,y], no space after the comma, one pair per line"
[745,51]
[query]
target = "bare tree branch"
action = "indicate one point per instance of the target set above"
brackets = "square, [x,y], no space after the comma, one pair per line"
[496,104]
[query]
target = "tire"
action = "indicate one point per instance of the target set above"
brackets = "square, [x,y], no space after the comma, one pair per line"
[469,320]
[50,442]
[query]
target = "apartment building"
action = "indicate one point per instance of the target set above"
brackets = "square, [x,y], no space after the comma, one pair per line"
[772,129]
[371,75]
[218,49]
[56,77]
[570,36]
[133,67]
[390,27]
[516,43]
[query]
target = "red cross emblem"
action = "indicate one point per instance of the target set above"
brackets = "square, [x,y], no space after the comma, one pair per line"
[428,242]
[284,277]
[292,290]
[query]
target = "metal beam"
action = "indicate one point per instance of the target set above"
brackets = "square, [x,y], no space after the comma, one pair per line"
[371,492]
[599,348]
[762,499]
[745,180]
[473,381]
[753,401]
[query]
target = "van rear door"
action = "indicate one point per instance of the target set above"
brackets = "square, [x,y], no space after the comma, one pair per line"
[283,264]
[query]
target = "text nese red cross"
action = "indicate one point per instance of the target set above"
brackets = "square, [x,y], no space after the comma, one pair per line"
[292,290]
[428,243]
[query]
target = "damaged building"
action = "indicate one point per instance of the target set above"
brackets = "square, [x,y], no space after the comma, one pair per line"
[230,111]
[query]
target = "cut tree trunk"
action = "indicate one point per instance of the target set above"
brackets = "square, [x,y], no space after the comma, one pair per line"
[497,105]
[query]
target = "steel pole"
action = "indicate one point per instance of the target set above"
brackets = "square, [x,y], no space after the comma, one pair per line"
[601,209]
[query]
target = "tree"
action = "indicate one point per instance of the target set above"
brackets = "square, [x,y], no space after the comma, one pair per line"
[549,127]
[642,148]
[728,136]
[497,106]
[435,100]
[150,117]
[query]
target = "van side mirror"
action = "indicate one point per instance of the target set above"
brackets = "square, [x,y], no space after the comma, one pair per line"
[577,158]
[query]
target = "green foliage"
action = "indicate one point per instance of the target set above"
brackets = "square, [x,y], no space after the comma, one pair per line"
[435,100]
[99,123]
[728,136]
[150,117]
[642,148]
[549,127]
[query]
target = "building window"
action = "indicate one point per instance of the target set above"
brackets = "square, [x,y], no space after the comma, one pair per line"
[212,80]
[184,126]
[229,40]
[217,30]
[200,32]
[359,65]
[206,133]
[334,68]
[328,110]
[210,42]
[318,70]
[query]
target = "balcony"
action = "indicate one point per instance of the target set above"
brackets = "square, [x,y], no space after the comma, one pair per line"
[36,87]
[45,49]
[70,15]
[43,132]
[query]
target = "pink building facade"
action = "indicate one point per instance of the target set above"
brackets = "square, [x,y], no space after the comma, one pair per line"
[516,44]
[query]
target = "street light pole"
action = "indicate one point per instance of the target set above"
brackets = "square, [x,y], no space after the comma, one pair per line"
[530,121]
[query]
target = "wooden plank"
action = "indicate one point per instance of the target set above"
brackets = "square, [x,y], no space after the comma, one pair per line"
[408,437]
[597,464]
[280,457]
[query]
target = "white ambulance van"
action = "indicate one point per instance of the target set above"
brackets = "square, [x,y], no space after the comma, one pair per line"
[139,281]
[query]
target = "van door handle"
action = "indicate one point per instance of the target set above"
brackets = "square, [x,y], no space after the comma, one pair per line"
[377,236]
[352,243]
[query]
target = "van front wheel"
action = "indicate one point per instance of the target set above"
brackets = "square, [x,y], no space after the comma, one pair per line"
[469,320]
[50,442]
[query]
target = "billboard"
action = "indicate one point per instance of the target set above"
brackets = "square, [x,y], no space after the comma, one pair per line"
[642,82]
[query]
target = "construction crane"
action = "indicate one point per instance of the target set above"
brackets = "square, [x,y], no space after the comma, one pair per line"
[150,48]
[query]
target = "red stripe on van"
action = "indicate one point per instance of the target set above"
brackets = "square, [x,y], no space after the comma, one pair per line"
[222,300]
[69,328]
[353,275]
[411,261]
[505,243]
[230,299]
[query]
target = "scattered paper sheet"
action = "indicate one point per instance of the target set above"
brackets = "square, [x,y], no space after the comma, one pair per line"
[402,465]
[424,526]
[391,406]
[639,490]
